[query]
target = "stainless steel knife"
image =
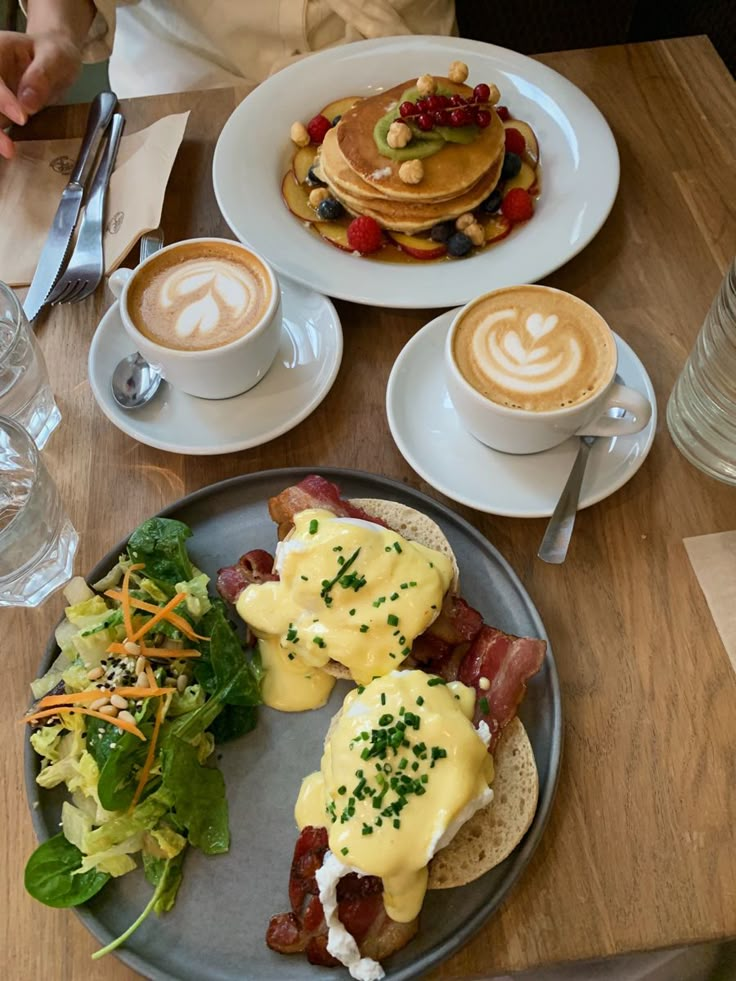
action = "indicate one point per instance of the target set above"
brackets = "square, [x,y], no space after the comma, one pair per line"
[56,246]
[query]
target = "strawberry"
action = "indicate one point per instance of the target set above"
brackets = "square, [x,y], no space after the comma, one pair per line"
[517,205]
[503,113]
[317,128]
[365,235]
[515,142]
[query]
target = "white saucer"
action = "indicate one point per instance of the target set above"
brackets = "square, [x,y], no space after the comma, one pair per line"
[305,368]
[431,439]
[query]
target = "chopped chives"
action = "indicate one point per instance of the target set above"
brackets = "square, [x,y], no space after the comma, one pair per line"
[364,628]
[484,707]
[392,620]
[313,526]
[397,547]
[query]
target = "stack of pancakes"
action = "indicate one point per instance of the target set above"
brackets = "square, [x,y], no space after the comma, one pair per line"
[456,179]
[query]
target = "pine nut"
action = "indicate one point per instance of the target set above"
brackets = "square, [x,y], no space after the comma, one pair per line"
[95,673]
[97,705]
[181,682]
[140,665]
[132,648]
[126,717]
[118,701]
[170,681]
[108,710]
[142,680]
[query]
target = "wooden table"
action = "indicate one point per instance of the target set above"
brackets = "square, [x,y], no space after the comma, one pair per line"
[640,851]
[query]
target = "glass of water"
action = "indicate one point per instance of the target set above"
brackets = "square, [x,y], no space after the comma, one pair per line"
[701,413]
[37,540]
[25,393]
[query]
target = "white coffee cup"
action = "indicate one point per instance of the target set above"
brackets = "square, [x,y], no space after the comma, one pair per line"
[217,372]
[513,429]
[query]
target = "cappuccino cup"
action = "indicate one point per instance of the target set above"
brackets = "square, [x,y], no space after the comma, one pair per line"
[206,311]
[529,366]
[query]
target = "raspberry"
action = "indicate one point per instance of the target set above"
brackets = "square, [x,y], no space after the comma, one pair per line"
[317,128]
[364,235]
[517,205]
[515,142]
[503,113]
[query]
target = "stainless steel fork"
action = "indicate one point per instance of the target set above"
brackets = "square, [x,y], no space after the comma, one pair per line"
[87,265]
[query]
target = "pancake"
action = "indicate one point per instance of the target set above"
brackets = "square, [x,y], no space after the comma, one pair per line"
[448,173]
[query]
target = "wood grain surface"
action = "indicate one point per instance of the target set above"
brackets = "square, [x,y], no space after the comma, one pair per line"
[640,851]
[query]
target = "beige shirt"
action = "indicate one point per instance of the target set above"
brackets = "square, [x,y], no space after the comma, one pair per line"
[173,45]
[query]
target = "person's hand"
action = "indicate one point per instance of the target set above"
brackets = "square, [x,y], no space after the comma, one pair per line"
[35,70]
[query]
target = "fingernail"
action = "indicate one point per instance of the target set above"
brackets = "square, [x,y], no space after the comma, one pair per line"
[30,99]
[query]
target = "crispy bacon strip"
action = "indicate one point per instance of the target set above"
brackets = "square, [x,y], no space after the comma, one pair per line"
[312,492]
[255,566]
[507,662]
[359,904]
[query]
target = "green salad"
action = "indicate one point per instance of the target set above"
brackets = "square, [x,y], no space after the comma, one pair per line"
[150,677]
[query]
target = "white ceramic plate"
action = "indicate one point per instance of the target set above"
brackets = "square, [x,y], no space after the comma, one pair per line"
[431,439]
[305,368]
[579,160]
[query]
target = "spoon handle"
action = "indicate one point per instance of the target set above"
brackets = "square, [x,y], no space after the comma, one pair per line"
[556,539]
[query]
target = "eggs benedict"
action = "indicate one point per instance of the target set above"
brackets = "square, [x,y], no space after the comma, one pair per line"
[348,596]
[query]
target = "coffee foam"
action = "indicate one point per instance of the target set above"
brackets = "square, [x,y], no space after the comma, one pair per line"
[199,297]
[533,348]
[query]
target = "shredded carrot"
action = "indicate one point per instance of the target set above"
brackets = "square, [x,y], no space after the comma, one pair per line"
[125,600]
[159,613]
[143,778]
[151,676]
[77,709]
[172,653]
[93,694]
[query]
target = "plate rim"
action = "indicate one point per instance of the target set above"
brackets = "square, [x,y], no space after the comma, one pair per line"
[523,852]
[234,446]
[387,295]
[586,502]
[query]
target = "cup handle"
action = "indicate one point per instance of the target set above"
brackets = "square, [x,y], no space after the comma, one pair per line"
[633,402]
[117,281]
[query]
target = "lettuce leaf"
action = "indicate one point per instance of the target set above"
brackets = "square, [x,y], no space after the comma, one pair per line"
[159,544]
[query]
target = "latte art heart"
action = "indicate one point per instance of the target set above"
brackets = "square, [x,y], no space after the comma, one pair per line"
[532,348]
[198,300]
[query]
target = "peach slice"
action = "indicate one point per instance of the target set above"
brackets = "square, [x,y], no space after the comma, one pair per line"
[339,106]
[303,160]
[531,153]
[419,248]
[496,227]
[524,179]
[297,198]
[335,234]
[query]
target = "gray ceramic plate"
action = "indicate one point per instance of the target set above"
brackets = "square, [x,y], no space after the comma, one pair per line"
[216,930]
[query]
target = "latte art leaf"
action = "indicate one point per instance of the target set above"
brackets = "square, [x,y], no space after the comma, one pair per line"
[204,295]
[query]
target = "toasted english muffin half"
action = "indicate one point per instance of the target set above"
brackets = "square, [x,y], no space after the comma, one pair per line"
[493,832]
[412,525]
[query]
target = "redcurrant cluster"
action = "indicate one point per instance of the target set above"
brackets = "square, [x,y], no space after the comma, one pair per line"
[450,110]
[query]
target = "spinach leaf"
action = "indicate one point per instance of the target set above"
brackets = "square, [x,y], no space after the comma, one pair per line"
[154,868]
[159,543]
[101,737]
[233,721]
[199,798]
[193,723]
[118,776]
[50,878]
[161,889]
[222,658]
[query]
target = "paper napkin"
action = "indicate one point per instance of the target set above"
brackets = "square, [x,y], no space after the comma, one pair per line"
[31,186]
[713,558]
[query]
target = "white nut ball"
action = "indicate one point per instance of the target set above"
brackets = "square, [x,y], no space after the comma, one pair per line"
[458,72]
[426,85]
[464,221]
[398,135]
[299,134]
[495,94]
[317,196]
[475,233]
[411,171]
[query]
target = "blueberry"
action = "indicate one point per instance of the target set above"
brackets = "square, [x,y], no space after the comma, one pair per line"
[313,180]
[330,210]
[492,203]
[442,231]
[336,120]
[459,244]
[511,166]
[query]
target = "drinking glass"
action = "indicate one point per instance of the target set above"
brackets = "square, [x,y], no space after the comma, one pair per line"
[37,540]
[701,413]
[25,393]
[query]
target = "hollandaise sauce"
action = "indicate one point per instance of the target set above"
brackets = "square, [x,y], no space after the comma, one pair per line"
[349,591]
[403,768]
